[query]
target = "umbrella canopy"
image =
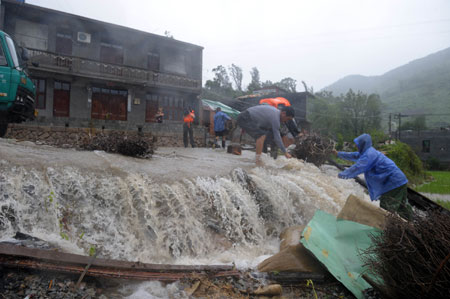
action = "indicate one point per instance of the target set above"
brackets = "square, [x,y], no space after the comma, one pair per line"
[233,113]
[275,101]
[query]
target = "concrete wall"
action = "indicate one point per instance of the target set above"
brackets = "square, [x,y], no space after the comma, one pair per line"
[73,137]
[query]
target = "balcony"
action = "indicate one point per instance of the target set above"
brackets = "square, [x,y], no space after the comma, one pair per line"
[88,68]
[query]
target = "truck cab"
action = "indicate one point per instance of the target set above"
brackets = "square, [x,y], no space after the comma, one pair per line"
[17,91]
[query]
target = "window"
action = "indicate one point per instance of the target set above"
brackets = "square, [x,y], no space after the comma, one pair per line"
[111,53]
[175,63]
[425,146]
[40,92]
[172,107]
[64,42]
[12,50]
[153,60]
[151,108]
[3,61]
[110,104]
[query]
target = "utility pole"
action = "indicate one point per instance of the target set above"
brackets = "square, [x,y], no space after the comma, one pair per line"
[390,131]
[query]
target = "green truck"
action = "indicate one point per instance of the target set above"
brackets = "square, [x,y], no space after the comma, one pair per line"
[17,91]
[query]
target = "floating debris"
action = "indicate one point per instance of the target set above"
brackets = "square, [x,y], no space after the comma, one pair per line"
[313,149]
[128,145]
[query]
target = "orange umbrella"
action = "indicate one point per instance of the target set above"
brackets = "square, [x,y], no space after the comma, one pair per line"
[275,101]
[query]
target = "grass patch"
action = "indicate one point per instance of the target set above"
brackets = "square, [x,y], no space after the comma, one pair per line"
[439,185]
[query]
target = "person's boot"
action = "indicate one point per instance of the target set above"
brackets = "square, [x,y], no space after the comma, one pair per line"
[223,143]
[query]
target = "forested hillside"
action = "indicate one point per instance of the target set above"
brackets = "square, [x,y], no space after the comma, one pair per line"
[419,87]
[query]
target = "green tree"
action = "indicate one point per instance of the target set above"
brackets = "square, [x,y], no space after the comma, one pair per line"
[360,112]
[288,84]
[236,75]
[255,83]
[324,114]
[221,82]
[349,115]
[267,83]
[418,123]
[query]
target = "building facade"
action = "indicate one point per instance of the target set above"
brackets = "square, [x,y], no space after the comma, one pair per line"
[429,144]
[92,73]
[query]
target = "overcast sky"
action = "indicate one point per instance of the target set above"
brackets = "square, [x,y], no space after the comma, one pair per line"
[316,41]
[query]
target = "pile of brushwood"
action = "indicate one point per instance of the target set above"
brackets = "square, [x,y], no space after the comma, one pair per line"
[412,258]
[313,148]
[128,145]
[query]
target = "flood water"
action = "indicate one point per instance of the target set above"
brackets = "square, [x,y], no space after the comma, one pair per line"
[183,206]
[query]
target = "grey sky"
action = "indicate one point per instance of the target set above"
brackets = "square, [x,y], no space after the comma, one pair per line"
[317,41]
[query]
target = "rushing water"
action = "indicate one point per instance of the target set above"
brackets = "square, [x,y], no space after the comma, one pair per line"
[185,206]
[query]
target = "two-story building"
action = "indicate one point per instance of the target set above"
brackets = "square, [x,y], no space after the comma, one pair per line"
[101,74]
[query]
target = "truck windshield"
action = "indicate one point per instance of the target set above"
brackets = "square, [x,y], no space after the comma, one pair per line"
[12,50]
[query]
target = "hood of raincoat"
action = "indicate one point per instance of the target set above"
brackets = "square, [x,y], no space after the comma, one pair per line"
[363,142]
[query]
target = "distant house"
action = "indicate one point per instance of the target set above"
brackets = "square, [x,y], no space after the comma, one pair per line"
[429,144]
[97,72]
[298,101]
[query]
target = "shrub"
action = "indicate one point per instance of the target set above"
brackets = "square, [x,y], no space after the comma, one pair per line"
[405,158]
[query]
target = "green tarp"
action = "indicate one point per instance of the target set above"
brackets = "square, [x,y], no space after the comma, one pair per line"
[233,113]
[338,245]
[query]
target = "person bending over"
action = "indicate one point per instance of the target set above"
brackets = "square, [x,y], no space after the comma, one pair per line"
[385,181]
[258,121]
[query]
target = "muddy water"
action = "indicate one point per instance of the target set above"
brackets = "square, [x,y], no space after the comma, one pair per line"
[185,206]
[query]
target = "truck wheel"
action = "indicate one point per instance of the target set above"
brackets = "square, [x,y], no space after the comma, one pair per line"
[3,129]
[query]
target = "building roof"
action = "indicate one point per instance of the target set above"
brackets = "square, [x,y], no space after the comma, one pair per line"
[52,11]
[213,105]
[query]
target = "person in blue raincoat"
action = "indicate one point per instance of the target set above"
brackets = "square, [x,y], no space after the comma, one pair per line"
[220,119]
[385,181]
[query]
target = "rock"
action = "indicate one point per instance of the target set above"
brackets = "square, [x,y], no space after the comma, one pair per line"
[270,290]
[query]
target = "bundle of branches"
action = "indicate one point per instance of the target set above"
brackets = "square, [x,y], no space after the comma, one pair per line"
[133,146]
[412,258]
[313,148]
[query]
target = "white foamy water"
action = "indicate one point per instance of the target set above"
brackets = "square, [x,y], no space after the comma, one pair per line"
[184,206]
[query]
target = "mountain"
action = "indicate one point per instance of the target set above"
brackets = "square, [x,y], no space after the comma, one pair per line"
[419,87]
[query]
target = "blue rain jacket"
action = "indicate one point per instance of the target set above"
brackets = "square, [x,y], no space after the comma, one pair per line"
[219,121]
[380,172]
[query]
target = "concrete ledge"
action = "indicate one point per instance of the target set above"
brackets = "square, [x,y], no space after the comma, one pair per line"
[170,135]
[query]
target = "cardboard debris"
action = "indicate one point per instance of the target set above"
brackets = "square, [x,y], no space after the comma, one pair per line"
[363,212]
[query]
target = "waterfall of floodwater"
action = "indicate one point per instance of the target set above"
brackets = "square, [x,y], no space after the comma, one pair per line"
[184,206]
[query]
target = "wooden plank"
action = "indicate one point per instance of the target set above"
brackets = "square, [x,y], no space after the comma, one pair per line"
[128,274]
[68,258]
